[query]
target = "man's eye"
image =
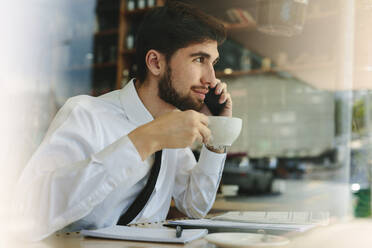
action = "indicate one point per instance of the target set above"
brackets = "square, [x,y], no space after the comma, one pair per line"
[200,60]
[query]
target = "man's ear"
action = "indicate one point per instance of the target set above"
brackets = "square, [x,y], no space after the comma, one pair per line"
[155,62]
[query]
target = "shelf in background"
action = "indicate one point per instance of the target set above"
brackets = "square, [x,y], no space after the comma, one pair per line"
[242,73]
[253,26]
[236,26]
[94,66]
[136,12]
[128,52]
[113,31]
[279,69]
[104,65]
[309,66]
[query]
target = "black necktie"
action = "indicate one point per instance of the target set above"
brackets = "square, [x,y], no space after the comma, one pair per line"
[142,198]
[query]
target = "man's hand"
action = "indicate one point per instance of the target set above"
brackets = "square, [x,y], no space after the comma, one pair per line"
[177,129]
[221,89]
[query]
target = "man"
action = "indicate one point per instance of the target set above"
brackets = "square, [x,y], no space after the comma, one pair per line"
[97,154]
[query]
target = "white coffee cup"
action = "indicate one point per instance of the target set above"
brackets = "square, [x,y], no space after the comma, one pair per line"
[224,130]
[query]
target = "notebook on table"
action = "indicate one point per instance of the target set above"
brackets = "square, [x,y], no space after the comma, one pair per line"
[146,234]
[233,226]
[251,221]
[276,217]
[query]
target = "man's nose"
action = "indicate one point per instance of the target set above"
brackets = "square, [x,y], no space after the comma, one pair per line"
[209,77]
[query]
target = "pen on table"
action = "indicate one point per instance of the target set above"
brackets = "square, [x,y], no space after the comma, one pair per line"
[178,231]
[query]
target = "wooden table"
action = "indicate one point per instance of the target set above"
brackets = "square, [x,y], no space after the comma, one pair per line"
[355,233]
[350,234]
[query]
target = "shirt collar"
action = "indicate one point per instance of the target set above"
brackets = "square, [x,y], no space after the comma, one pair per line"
[133,105]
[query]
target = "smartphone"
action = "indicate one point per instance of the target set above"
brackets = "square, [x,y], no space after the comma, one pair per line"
[211,100]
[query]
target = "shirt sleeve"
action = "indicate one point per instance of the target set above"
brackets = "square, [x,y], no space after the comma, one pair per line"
[197,182]
[68,175]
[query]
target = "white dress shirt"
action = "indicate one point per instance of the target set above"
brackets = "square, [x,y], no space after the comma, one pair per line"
[87,172]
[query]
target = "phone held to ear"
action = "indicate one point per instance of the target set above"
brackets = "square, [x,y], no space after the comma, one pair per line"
[211,100]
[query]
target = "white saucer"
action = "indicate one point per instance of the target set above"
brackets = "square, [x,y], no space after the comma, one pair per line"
[245,240]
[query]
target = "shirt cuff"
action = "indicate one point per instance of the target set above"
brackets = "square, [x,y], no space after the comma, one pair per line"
[211,162]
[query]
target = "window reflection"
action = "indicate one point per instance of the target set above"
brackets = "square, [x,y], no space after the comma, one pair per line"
[305,98]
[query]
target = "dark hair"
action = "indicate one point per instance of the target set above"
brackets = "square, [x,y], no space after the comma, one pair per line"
[171,27]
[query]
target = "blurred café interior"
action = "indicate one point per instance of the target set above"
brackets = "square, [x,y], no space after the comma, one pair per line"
[299,72]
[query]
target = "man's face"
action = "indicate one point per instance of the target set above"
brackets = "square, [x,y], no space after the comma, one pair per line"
[188,75]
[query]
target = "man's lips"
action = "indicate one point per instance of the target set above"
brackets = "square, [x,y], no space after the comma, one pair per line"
[200,92]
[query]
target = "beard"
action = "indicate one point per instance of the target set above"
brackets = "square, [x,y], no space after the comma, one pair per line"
[169,94]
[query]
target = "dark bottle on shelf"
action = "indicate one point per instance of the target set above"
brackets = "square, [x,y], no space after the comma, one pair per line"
[99,56]
[133,71]
[141,4]
[131,35]
[151,3]
[131,5]
[130,38]
[113,53]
